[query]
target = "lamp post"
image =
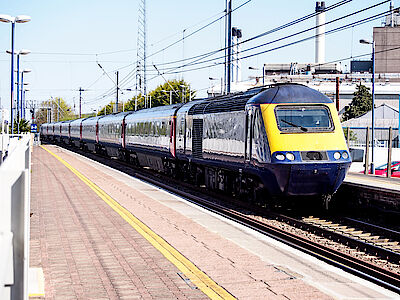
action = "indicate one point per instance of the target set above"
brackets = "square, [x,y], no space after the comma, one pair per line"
[18,53]
[24,102]
[13,20]
[170,95]
[362,41]
[212,85]
[263,70]
[23,92]
[183,93]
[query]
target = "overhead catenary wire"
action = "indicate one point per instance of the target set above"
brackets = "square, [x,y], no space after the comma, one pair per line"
[198,30]
[122,50]
[281,27]
[279,39]
[263,34]
[341,28]
[129,76]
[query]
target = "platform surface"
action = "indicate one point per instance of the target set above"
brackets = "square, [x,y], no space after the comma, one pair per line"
[87,250]
[373,181]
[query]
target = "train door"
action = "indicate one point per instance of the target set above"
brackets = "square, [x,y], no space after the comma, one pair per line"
[123,133]
[97,132]
[181,134]
[172,136]
[249,133]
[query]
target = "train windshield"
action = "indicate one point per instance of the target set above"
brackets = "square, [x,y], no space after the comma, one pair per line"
[304,118]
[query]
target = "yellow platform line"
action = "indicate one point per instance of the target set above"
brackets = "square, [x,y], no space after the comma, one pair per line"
[196,276]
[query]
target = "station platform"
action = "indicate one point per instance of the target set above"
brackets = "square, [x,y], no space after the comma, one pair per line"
[98,233]
[373,181]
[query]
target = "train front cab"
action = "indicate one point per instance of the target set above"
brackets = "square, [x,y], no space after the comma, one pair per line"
[308,154]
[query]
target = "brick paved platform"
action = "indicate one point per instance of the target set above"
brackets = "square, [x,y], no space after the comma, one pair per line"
[88,251]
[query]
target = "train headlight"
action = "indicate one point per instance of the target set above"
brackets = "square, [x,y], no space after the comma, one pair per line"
[336,155]
[280,156]
[290,156]
[345,155]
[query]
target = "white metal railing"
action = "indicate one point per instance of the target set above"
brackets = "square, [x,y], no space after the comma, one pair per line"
[4,143]
[14,219]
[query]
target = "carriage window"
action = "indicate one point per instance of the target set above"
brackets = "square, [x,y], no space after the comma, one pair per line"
[312,118]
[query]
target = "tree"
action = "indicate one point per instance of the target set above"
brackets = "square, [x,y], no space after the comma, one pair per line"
[353,136]
[361,103]
[59,108]
[180,90]
[108,109]
[24,126]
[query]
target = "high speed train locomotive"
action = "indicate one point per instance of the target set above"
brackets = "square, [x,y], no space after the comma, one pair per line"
[275,141]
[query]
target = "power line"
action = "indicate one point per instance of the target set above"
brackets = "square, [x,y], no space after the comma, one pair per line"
[127,78]
[130,75]
[198,30]
[341,28]
[201,61]
[213,52]
[299,20]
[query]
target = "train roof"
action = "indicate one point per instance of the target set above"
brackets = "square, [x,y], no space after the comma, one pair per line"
[289,93]
[155,111]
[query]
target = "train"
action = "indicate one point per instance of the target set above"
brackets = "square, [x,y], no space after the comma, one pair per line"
[277,141]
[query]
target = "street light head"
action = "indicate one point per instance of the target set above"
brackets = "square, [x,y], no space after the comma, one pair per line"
[26,83]
[253,68]
[27,90]
[6,19]
[24,52]
[22,19]
[26,71]
[362,41]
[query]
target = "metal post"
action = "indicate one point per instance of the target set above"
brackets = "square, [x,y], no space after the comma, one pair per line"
[24,104]
[263,81]
[58,110]
[348,136]
[116,103]
[183,50]
[373,108]
[389,162]
[337,93]
[136,102]
[18,116]
[170,97]
[366,165]
[226,39]
[228,68]
[80,103]
[12,76]
[22,94]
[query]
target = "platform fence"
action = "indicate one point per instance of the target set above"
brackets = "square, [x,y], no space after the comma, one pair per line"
[386,147]
[14,218]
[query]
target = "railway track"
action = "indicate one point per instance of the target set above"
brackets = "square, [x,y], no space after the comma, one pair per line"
[363,249]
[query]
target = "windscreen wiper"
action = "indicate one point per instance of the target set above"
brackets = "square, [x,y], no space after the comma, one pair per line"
[294,125]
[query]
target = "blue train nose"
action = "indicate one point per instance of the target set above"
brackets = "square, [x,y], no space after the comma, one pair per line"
[315,179]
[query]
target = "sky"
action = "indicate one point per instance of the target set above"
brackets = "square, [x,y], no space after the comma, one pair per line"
[69,38]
